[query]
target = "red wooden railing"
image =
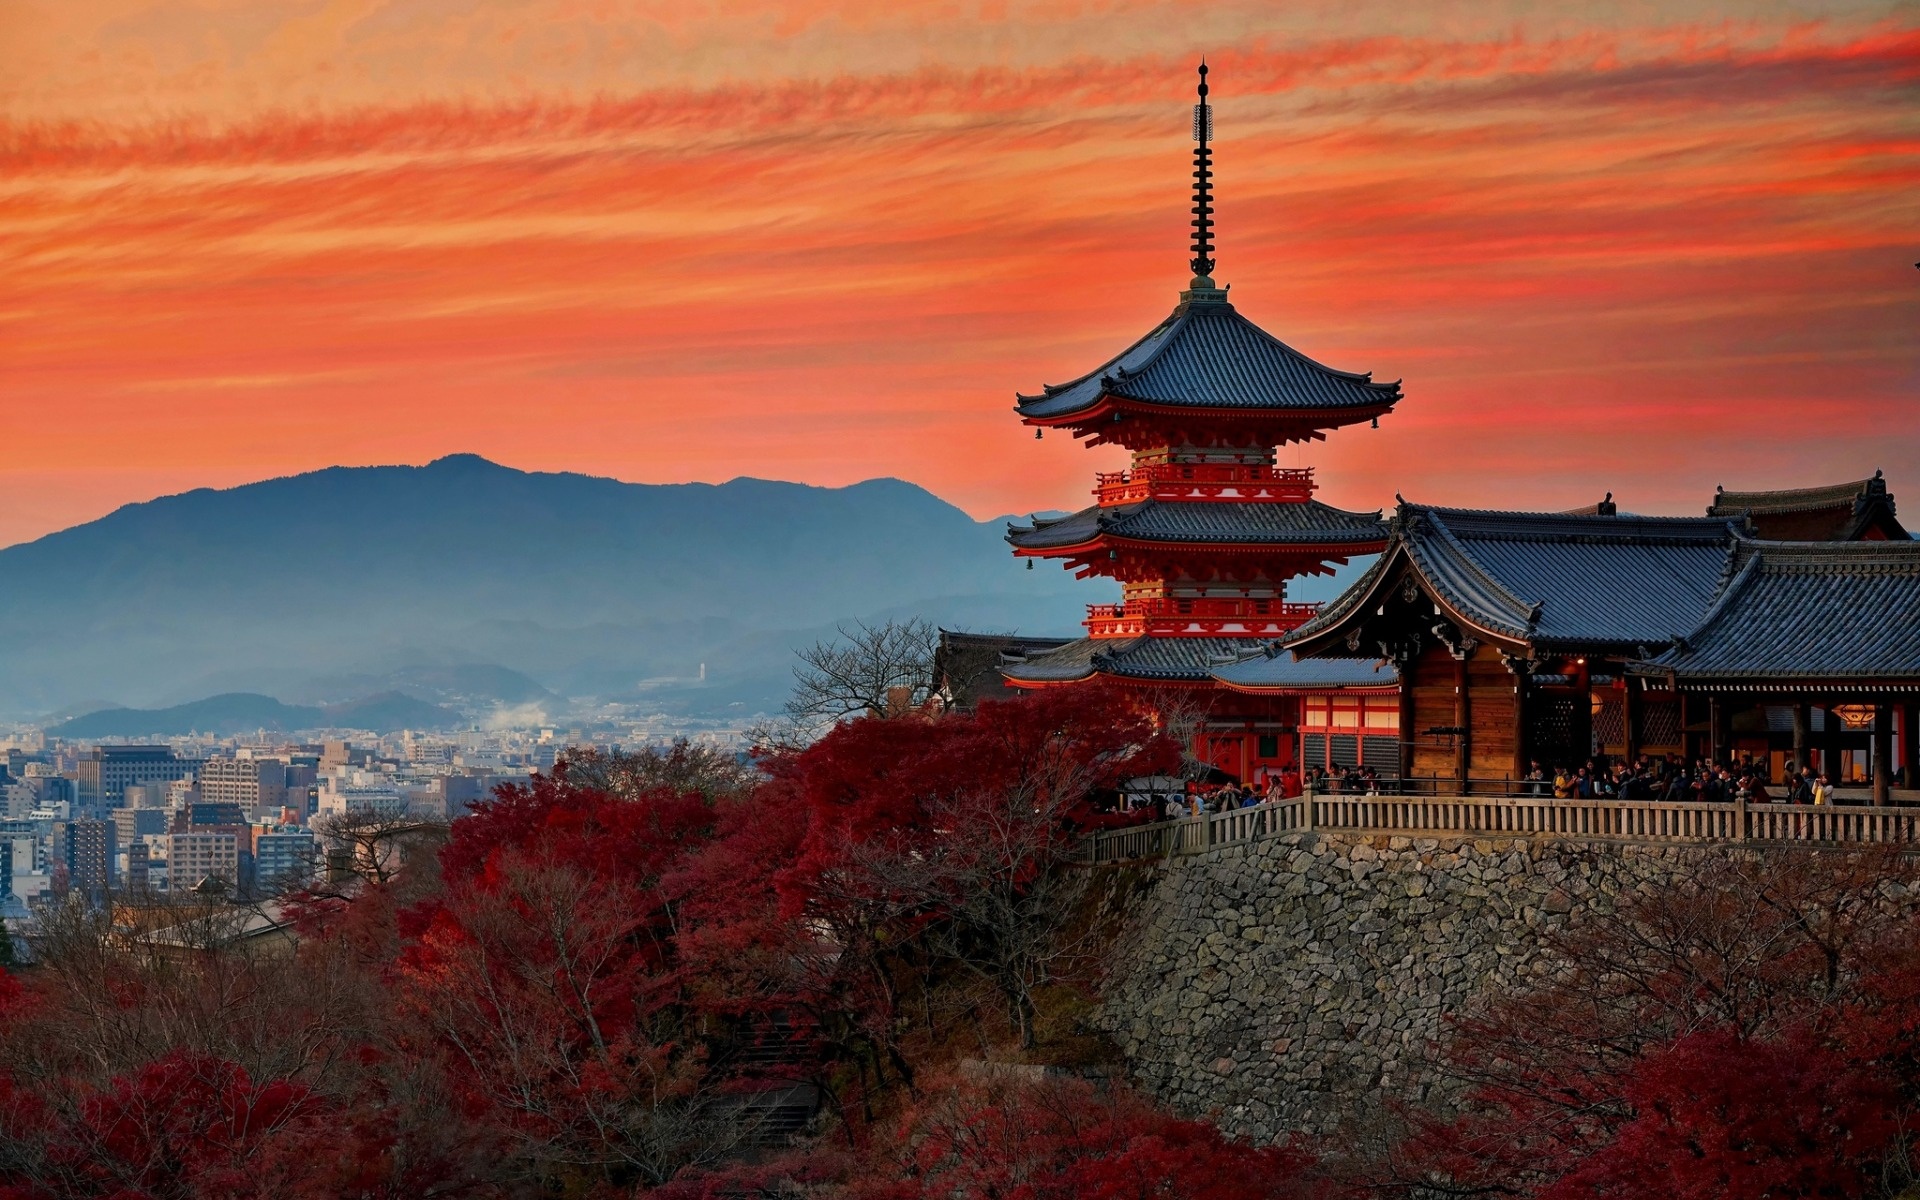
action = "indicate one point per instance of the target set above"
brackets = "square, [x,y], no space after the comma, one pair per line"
[1240,482]
[1174,616]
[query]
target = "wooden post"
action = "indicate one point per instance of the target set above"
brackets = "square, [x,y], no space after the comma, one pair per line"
[1630,717]
[1800,723]
[1306,808]
[1462,714]
[1909,745]
[1740,816]
[1882,753]
[1521,763]
[1687,744]
[1830,744]
[1406,723]
[1716,735]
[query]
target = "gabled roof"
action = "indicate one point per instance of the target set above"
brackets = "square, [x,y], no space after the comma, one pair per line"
[1275,669]
[1552,579]
[1309,523]
[1837,512]
[967,665]
[1834,611]
[1171,660]
[1784,500]
[1206,355]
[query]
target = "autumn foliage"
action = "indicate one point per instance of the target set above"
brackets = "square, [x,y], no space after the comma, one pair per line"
[592,985]
[1747,1032]
[608,982]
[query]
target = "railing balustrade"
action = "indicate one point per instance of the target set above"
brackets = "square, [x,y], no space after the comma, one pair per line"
[1517,816]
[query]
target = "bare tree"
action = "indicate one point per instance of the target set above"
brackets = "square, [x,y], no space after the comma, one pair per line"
[682,767]
[1182,714]
[879,670]
[378,848]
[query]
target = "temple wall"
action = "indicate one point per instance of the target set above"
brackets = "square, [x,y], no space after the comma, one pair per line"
[1292,983]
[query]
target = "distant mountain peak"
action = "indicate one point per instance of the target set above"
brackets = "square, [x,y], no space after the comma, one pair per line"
[467,560]
[466,462]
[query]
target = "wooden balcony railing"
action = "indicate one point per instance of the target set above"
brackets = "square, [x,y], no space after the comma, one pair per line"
[1173,616]
[1531,817]
[1241,482]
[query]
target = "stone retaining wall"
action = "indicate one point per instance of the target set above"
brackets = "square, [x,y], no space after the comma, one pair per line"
[1292,983]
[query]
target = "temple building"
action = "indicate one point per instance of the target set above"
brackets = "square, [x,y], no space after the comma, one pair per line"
[1204,531]
[1842,512]
[1555,637]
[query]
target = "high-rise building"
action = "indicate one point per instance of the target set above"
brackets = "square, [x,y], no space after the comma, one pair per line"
[283,860]
[137,879]
[104,772]
[193,857]
[85,848]
[253,784]
[132,824]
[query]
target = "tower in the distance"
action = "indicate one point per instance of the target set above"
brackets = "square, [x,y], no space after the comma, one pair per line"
[1204,531]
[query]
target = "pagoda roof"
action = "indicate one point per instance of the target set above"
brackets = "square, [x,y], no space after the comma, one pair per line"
[1207,356]
[1847,612]
[1273,668]
[1554,579]
[1305,523]
[1837,511]
[1149,659]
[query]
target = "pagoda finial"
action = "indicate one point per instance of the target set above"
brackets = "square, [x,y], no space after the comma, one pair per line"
[1202,188]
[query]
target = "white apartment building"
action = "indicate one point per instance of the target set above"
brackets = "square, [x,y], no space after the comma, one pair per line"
[191,857]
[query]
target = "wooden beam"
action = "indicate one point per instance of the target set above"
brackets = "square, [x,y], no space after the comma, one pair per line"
[1909,745]
[1801,720]
[1406,720]
[1521,763]
[1882,752]
[1630,719]
[1716,731]
[1462,719]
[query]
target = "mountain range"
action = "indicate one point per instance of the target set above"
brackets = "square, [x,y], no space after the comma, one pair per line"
[244,712]
[469,585]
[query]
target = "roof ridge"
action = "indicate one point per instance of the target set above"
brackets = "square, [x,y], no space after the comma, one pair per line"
[1347,600]
[1527,610]
[1053,389]
[1682,644]
[1365,377]
[1181,314]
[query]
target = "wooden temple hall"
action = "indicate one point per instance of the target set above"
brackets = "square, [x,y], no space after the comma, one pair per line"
[1779,624]
[1556,637]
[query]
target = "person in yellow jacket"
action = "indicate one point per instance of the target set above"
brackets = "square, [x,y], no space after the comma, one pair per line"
[1564,784]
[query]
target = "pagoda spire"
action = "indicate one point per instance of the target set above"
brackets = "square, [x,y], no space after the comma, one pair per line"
[1202,187]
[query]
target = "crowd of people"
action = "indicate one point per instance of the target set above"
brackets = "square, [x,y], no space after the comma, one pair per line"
[1649,777]
[1664,777]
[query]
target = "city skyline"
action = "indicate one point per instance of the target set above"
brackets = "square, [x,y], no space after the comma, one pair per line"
[1606,254]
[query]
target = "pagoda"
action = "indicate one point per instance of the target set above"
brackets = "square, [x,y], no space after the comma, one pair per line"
[1203,531]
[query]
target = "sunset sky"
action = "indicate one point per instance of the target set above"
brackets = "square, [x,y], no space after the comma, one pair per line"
[1642,247]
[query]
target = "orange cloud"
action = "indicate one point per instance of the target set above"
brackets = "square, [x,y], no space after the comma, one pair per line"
[1636,261]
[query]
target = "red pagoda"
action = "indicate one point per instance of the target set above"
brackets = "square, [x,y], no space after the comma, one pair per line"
[1204,531]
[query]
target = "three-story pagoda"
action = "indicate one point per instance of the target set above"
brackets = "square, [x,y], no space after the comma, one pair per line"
[1204,530]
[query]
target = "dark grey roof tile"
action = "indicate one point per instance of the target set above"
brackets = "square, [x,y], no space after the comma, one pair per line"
[1308,523]
[1206,355]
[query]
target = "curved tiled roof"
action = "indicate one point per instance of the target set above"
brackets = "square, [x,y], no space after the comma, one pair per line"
[1172,660]
[1306,523]
[1276,669]
[1798,610]
[1556,578]
[1206,355]
[1787,500]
